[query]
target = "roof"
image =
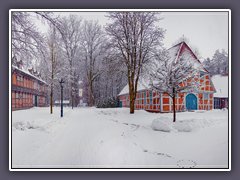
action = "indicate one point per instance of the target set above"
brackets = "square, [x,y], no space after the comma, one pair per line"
[64,102]
[221,85]
[29,74]
[174,51]
[141,86]
[174,54]
[179,50]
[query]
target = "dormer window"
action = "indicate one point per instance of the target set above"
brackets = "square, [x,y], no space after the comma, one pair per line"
[19,78]
[202,73]
[181,59]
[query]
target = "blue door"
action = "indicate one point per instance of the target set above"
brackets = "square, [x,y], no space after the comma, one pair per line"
[120,103]
[191,102]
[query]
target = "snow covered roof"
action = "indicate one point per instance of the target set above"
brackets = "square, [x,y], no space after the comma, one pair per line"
[64,102]
[221,85]
[173,52]
[141,86]
[182,49]
[28,73]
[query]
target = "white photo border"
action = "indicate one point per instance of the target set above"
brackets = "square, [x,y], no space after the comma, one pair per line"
[120,169]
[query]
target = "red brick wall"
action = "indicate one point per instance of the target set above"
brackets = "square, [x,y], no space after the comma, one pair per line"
[23,100]
[163,102]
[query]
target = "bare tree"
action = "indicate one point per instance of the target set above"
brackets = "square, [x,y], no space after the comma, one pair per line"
[136,37]
[173,76]
[52,66]
[113,78]
[70,29]
[92,43]
[27,41]
[53,50]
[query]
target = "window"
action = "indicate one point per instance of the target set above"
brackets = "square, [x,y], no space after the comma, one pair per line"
[35,85]
[150,96]
[205,96]
[216,103]
[202,73]
[145,98]
[18,78]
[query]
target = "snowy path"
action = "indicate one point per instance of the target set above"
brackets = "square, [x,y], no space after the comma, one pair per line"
[90,137]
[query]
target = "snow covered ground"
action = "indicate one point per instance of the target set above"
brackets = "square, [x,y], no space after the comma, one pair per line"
[113,138]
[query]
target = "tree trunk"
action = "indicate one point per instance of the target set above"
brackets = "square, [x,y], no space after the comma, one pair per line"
[52,76]
[71,80]
[51,100]
[132,99]
[131,106]
[174,109]
[91,96]
[72,93]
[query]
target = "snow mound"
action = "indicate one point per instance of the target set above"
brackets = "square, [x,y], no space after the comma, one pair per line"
[165,124]
[161,125]
[25,125]
[196,123]
[182,126]
[19,126]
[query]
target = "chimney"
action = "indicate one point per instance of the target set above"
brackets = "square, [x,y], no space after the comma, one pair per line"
[35,72]
[20,64]
[30,70]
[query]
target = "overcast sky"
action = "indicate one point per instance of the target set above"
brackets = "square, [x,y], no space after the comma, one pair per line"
[206,31]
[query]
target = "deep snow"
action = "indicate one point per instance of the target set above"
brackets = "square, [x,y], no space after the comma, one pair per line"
[107,138]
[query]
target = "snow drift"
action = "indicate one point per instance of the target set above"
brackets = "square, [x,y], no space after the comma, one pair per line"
[160,125]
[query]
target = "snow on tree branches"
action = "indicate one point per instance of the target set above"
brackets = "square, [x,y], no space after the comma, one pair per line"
[135,36]
[167,76]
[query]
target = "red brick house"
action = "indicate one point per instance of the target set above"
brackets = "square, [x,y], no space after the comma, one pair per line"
[28,89]
[150,100]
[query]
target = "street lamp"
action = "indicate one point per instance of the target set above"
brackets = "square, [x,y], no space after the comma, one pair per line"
[61,84]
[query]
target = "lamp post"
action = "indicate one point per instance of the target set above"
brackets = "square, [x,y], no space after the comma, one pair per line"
[61,84]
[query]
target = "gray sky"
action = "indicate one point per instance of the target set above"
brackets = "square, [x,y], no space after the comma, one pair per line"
[206,31]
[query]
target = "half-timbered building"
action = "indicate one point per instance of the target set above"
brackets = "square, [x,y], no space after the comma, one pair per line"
[28,89]
[198,99]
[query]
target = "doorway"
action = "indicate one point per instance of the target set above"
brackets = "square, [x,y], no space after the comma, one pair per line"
[191,102]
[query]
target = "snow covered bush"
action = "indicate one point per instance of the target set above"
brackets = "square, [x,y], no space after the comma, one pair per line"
[166,125]
[111,102]
[161,124]
[182,126]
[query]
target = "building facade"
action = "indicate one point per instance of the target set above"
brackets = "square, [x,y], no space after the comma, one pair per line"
[28,90]
[221,96]
[199,99]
